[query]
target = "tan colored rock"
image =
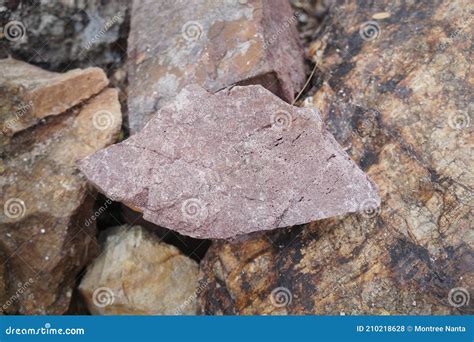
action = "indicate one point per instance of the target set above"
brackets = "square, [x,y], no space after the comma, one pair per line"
[211,43]
[45,201]
[397,94]
[136,274]
[30,93]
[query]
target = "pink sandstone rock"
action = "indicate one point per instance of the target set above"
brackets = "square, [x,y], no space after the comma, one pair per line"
[242,160]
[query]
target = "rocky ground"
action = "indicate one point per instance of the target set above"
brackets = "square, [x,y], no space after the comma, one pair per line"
[392,82]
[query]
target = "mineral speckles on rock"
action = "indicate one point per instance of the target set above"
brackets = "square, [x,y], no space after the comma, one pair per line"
[211,43]
[136,274]
[30,93]
[44,202]
[242,160]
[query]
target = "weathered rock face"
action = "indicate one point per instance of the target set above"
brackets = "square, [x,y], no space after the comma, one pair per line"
[61,35]
[399,100]
[245,161]
[45,202]
[212,43]
[31,93]
[136,274]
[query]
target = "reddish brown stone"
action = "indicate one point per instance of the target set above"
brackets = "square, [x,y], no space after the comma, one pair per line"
[242,160]
[30,93]
[211,43]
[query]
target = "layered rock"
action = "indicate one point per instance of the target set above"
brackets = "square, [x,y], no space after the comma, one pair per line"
[136,274]
[31,94]
[44,234]
[212,43]
[244,161]
[394,87]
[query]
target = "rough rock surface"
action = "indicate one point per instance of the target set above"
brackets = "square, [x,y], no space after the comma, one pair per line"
[60,35]
[400,102]
[244,161]
[30,93]
[136,274]
[44,204]
[212,43]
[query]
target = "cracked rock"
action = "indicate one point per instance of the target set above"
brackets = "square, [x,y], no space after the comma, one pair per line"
[30,94]
[242,160]
[45,240]
[136,274]
[211,43]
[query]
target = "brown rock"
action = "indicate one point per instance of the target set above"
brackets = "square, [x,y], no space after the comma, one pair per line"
[245,161]
[401,104]
[45,201]
[3,290]
[26,100]
[136,274]
[212,43]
